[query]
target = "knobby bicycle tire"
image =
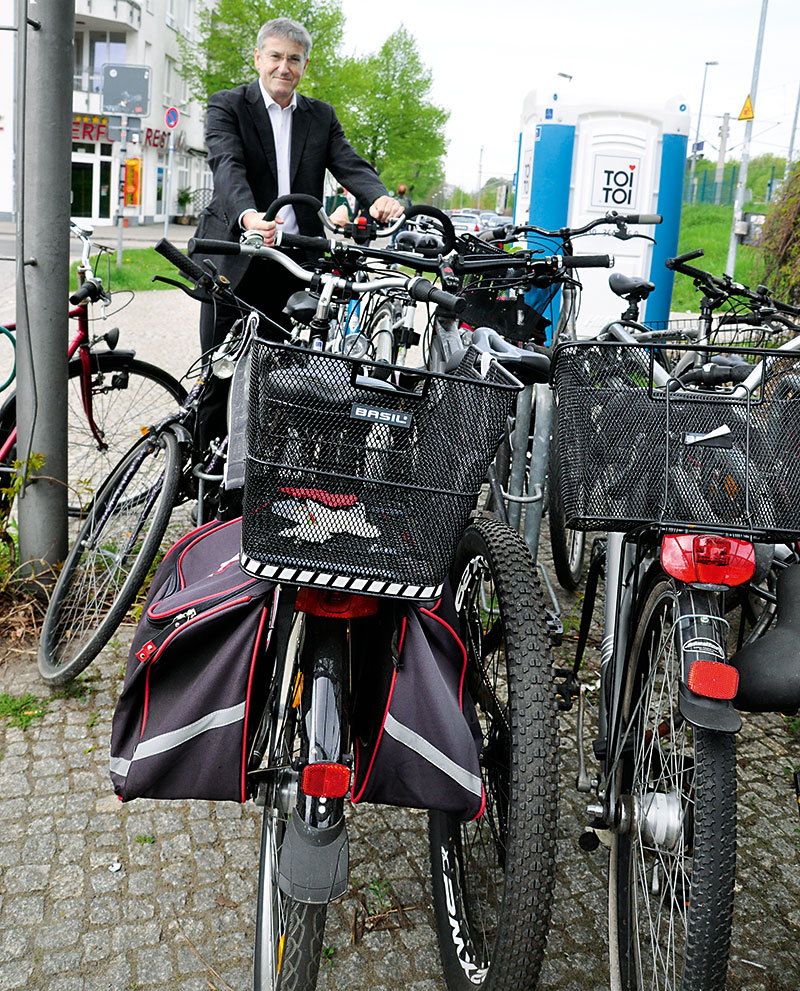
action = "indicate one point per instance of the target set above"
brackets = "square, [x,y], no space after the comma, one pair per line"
[117,543]
[672,871]
[128,397]
[493,877]
[289,933]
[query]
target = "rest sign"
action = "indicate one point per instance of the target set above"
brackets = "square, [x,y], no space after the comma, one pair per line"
[171,117]
[615,182]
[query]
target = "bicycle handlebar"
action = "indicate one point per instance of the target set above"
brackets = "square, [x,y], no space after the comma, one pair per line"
[190,269]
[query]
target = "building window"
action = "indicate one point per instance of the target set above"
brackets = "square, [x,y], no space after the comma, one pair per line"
[93,49]
[171,19]
[170,80]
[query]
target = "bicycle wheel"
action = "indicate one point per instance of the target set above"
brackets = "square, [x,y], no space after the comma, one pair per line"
[568,546]
[128,396]
[493,877]
[380,333]
[289,934]
[673,856]
[110,559]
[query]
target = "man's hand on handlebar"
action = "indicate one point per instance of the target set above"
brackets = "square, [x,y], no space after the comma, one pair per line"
[385,208]
[254,221]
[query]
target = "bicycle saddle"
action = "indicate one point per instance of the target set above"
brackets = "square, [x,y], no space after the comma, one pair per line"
[630,287]
[528,366]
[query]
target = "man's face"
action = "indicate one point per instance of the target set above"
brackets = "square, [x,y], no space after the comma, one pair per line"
[281,65]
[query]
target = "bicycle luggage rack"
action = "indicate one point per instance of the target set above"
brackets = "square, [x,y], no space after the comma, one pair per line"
[633,453]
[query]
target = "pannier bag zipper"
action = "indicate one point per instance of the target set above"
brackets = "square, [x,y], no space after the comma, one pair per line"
[147,650]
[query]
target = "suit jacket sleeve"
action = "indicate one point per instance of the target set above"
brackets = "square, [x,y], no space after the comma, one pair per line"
[227,159]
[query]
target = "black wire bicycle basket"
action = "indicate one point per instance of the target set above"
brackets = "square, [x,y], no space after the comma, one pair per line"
[632,452]
[361,483]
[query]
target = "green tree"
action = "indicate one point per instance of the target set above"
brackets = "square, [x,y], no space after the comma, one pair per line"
[386,111]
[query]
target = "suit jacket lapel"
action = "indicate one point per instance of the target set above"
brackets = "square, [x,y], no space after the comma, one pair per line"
[262,125]
[301,124]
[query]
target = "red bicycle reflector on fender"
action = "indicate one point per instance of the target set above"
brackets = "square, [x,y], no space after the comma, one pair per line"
[326,780]
[713,679]
[709,559]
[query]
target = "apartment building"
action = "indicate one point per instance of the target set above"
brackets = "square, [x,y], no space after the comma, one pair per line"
[133,33]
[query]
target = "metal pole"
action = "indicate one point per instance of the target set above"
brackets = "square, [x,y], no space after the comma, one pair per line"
[697,135]
[43,209]
[480,173]
[168,191]
[736,226]
[788,168]
[123,151]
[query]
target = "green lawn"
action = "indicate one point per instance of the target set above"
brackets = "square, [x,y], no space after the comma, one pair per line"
[139,265]
[709,227]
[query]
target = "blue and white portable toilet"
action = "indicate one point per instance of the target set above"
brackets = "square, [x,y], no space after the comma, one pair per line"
[578,161]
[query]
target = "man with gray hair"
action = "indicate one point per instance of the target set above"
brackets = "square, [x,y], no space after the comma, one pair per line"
[265,140]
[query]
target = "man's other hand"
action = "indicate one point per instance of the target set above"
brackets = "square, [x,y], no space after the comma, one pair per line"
[253,221]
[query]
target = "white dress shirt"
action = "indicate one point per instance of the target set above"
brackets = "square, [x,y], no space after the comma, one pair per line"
[281,120]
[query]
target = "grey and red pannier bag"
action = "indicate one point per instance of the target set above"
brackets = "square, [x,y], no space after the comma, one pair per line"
[196,675]
[416,734]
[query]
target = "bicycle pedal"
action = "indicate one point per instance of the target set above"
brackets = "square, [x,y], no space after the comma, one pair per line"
[555,628]
[566,688]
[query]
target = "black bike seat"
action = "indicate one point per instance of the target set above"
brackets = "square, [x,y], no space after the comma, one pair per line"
[630,286]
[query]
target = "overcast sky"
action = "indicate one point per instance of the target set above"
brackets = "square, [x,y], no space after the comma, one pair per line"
[486,56]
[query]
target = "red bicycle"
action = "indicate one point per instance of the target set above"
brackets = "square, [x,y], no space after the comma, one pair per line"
[113,397]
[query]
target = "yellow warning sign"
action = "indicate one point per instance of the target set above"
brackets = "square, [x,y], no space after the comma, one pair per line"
[747,110]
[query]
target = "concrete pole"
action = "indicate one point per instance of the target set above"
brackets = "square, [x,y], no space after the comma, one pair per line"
[697,135]
[788,168]
[43,164]
[719,176]
[736,228]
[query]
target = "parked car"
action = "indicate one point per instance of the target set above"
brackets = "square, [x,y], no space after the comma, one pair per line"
[466,223]
[490,219]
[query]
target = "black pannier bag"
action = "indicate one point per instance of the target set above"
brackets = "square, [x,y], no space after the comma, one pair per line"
[196,674]
[416,734]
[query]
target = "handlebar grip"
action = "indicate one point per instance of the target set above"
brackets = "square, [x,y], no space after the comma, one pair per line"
[422,209]
[644,218]
[189,268]
[289,200]
[86,291]
[588,261]
[212,246]
[301,241]
[680,259]
[424,292]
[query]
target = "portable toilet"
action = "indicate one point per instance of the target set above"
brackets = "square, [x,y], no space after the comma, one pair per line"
[579,161]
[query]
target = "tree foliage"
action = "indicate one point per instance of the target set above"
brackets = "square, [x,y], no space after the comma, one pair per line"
[382,99]
[780,240]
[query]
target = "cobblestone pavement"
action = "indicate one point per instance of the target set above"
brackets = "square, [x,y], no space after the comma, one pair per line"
[97,896]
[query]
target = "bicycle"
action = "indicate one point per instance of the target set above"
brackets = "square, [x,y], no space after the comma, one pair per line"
[688,464]
[418,479]
[112,396]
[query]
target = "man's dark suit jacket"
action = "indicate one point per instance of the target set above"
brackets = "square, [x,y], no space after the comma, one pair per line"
[241,154]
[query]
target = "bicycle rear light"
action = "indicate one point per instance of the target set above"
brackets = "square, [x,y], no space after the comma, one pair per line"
[326,780]
[713,679]
[708,559]
[339,605]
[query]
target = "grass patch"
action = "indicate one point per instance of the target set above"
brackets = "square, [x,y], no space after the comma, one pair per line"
[139,265]
[22,710]
[706,226]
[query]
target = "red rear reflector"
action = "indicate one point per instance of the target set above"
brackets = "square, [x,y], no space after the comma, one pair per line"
[341,605]
[326,780]
[708,559]
[713,679]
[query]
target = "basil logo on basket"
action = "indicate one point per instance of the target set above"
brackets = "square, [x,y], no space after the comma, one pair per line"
[377,414]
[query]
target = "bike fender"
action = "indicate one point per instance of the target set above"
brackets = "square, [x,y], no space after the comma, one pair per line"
[712,714]
[121,354]
[314,862]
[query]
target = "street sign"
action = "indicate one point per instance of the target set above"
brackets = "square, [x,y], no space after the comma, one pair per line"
[134,126]
[126,89]
[747,110]
[171,117]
